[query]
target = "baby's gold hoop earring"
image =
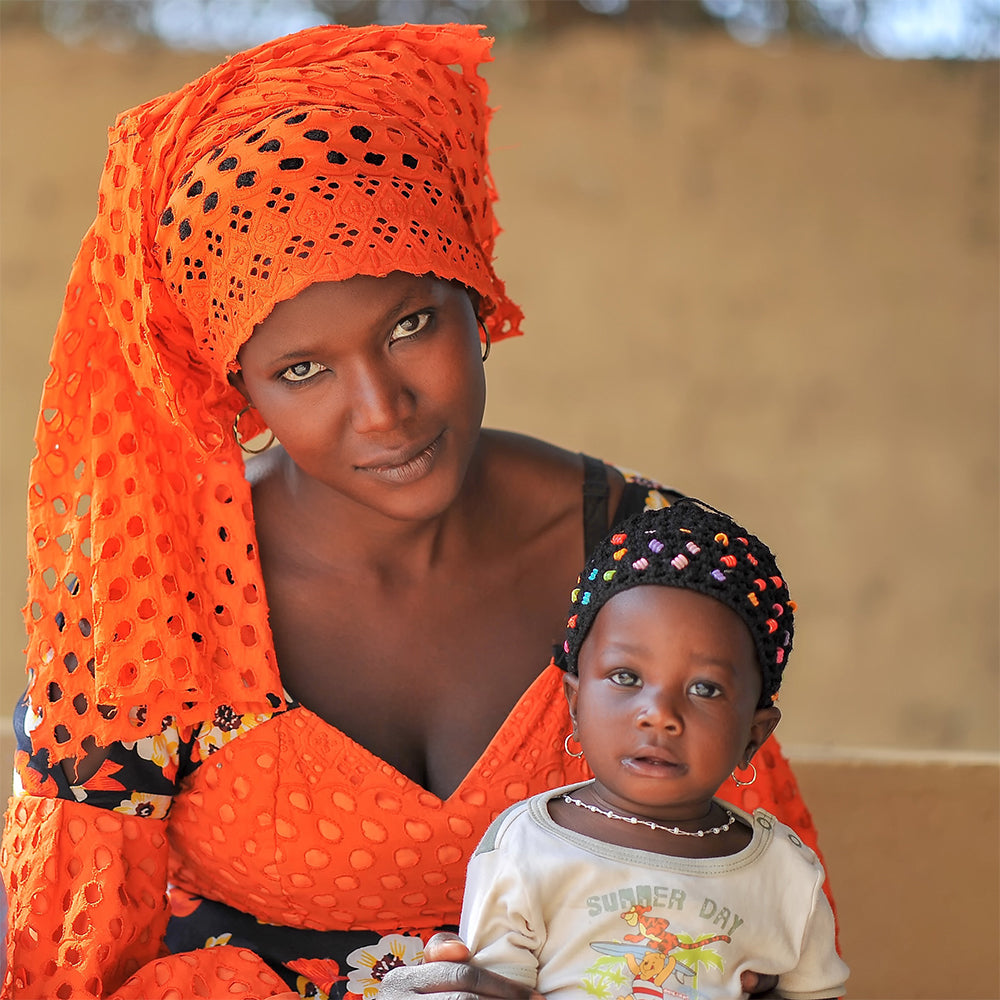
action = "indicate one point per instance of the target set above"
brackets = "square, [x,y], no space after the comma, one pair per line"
[486,334]
[236,434]
[572,736]
[753,777]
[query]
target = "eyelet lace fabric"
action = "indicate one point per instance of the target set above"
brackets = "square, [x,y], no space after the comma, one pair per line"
[323,155]
[299,863]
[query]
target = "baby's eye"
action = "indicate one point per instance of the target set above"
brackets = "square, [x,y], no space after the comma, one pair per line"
[409,325]
[624,678]
[301,371]
[705,689]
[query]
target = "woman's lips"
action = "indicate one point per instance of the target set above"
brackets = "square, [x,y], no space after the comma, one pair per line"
[407,471]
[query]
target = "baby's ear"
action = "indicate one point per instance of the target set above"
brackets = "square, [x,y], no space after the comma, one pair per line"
[765,720]
[571,688]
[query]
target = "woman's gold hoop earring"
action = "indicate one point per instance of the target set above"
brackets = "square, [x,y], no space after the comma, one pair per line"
[572,736]
[236,434]
[486,334]
[753,777]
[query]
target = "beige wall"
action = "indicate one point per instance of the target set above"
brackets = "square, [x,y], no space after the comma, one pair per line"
[768,277]
[911,848]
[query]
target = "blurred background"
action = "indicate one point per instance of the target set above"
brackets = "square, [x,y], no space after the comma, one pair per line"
[757,247]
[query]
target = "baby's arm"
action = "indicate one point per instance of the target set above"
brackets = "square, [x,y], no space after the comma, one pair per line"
[500,922]
[821,973]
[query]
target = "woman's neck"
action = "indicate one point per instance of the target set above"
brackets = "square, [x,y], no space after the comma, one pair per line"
[313,525]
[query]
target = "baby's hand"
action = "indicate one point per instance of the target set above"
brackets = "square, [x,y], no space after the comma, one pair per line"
[757,985]
[446,947]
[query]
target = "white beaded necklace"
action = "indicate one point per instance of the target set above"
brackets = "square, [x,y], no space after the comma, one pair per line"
[634,820]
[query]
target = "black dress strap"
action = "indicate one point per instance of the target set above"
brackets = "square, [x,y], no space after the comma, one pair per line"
[596,521]
[595,503]
[633,500]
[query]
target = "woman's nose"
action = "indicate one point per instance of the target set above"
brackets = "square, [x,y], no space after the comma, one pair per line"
[379,399]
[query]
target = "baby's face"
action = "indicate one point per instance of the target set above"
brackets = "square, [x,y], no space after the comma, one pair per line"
[665,700]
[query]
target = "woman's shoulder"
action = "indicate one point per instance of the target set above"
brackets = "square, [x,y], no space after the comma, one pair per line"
[526,468]
[522,450]
[515,454]
[524,471]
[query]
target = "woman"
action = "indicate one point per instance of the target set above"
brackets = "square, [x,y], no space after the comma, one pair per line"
[299,242]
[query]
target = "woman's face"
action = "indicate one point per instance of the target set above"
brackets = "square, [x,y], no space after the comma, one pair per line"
[374,387]
[665,700]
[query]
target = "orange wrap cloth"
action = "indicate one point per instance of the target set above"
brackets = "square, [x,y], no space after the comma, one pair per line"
[279,168]
[130,923]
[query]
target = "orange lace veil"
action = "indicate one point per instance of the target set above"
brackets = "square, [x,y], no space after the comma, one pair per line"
[326,154]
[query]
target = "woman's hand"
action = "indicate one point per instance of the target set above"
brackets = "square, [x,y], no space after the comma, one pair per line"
[757,985]
[447,970]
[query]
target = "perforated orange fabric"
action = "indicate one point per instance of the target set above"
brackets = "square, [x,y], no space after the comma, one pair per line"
[326,154]
[312,830]
[223,971]
[293,823]
[86,897]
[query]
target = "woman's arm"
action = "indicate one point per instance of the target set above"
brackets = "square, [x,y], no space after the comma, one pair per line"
[84,860]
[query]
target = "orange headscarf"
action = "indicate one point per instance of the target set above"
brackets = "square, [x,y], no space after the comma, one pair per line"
[326,154]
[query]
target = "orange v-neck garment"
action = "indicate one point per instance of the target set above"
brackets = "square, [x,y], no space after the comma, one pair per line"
[299,825]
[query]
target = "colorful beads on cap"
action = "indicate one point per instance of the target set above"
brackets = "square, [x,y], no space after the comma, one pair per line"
[692,546]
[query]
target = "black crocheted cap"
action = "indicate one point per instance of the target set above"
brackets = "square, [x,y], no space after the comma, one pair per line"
[695,547]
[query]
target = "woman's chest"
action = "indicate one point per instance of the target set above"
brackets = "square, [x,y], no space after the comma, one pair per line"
[296,823]
[422,678]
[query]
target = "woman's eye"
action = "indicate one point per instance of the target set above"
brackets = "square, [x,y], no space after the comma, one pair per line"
[409,325]
[302,371]
[624,678]
[705,689]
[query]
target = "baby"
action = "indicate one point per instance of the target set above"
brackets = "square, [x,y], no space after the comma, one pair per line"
[641,884]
